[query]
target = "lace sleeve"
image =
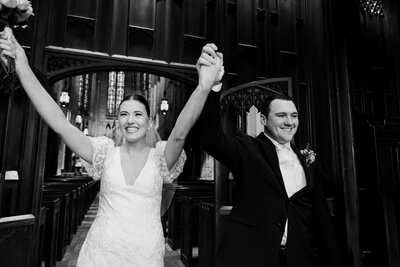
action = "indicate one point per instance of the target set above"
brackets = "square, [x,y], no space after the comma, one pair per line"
[168,175]
[100,145]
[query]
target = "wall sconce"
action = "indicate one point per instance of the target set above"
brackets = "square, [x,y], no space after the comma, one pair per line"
[64,98]
[78,121]
[164,107]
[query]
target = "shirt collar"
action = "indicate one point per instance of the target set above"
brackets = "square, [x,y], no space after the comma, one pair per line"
[278,145]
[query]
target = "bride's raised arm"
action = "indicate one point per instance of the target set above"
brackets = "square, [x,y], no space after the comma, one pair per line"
[42,101]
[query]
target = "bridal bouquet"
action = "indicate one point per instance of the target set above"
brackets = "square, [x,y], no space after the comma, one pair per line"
[14,14]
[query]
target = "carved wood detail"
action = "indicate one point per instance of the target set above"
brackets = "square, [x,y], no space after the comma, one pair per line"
[88,21]
[9,83]
[58,62]
[243,97]
[149,32]
[64,63]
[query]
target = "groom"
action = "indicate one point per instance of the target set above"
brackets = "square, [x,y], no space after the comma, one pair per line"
[279,217]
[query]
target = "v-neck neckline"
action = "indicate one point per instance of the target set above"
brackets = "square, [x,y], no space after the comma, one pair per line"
[140,173]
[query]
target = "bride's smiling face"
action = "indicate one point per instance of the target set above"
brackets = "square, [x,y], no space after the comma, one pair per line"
[133,120]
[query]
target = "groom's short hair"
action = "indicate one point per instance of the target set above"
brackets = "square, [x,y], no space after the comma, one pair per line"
[271,97]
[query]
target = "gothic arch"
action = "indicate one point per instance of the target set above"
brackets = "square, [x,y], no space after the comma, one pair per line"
[60,65]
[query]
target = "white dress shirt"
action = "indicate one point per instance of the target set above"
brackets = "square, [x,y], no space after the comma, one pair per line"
[293,174]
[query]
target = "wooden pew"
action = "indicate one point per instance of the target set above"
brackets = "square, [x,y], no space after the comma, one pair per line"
[88,187]
[10,198]
[64,226]
[41,236]
[190,227]
[16,236]
[91,187]
[174,211]
[73,207]
[85,193]
[51,230]
[76,194]
[207,232]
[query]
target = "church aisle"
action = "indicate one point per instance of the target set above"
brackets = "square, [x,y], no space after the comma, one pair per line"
[171,259]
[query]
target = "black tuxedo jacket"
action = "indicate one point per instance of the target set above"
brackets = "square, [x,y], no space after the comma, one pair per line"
[256,224]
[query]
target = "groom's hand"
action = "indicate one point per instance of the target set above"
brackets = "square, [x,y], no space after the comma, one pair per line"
[207,57]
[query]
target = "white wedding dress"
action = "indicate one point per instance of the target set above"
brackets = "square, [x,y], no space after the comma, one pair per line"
[127,230]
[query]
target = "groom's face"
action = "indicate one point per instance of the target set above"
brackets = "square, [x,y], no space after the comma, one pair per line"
[282,120]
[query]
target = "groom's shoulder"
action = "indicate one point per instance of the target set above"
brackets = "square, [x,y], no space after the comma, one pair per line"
[245,138]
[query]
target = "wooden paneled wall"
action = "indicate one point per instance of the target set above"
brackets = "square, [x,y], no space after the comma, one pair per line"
[364,84]
[374,63]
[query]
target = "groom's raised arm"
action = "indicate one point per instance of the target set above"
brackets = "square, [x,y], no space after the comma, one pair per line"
[222,147]
[210,69]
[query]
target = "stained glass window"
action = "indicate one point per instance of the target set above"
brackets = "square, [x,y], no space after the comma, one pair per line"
[83,94]
[116,83]
[120,87]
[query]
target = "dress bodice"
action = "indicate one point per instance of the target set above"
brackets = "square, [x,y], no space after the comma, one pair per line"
[127,230]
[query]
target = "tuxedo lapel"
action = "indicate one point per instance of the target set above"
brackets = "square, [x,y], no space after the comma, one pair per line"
[309,178]
[271,156]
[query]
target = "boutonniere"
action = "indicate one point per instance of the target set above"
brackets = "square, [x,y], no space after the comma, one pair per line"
[308,154]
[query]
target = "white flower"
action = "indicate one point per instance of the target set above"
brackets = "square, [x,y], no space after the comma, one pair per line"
[10,3]
[308,154]
[312,157]
[15,12]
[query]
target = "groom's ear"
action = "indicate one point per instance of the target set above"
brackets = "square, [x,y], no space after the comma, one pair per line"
[263,120]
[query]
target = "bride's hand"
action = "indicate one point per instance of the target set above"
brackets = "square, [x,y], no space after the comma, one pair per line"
[7,49]
[10,48]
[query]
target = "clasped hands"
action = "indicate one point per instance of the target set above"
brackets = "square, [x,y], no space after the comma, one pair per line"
[210,68]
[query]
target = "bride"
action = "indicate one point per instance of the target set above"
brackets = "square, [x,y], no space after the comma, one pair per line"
[127,230]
